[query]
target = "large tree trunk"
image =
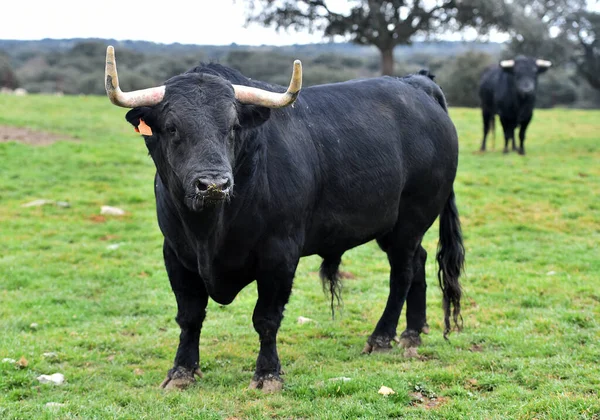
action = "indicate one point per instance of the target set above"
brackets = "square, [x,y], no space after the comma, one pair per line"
[387,61]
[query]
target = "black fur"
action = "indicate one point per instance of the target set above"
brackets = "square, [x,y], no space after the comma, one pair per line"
[347,163]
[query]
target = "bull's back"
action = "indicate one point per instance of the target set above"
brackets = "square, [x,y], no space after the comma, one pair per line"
[373,140]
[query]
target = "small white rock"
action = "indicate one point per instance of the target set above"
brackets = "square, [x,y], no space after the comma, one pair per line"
[50,354]
[302,320]
[54,405]
[341,378]
[112,247]
[384,390]
[37,203]
[33,325]
[551,273]
[111,211]
[8,360]
[55,378]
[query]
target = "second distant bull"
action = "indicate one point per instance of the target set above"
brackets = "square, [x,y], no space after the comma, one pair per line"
[509,90]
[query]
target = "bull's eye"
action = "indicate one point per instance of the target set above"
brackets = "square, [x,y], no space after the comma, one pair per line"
[171,129]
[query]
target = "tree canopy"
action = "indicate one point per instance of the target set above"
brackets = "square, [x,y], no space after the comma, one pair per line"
[585,27]
[381,23]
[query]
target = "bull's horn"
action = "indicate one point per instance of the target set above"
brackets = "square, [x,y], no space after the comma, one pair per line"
[507,64]
[253,96]
[543,63]
[144,97]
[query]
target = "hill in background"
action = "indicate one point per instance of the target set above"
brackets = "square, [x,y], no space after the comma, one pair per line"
[76,66]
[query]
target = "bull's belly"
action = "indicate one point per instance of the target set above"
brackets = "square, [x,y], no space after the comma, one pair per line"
[341,233]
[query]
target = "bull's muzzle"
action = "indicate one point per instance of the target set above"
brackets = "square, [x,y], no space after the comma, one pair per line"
[213,189]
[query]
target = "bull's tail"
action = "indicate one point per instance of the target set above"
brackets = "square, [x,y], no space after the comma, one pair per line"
[450,257]
[330,278]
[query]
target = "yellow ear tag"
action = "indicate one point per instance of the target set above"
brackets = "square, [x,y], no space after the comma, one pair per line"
[143,128]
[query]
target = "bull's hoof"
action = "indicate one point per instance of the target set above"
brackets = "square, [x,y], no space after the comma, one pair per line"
[410,339]
[521,151]
[377,345]
[411,353]
[180,378]
[268,384]
[425,329]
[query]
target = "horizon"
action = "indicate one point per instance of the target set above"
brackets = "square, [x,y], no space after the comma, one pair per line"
[324,42]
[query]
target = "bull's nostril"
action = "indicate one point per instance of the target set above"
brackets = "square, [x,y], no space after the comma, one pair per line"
[201,186]
[226,184]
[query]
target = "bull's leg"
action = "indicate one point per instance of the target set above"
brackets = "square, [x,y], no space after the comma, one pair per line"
[522,130]
[274,289]
[192,299]
[488,117]
[416,303]
[401,253]
[509,133]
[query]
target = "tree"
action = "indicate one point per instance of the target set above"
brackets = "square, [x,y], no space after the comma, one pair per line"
[382,23]
[461,77]
[585,27]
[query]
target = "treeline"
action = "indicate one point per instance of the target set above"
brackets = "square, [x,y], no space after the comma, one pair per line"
[74,67]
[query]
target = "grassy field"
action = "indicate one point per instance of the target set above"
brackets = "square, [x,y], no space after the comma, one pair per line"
[86,295]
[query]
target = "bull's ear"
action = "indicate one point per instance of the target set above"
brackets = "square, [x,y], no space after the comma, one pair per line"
[141,115]
[251,116]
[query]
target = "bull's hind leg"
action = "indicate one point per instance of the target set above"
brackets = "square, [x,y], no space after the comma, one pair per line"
[488,123]
[401,246]
[416,304]
[192,299]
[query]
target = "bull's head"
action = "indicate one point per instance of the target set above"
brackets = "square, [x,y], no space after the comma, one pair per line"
[190,125]
[525,71]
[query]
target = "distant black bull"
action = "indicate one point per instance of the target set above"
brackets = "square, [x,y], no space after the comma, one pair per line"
[247,184]
[509,90]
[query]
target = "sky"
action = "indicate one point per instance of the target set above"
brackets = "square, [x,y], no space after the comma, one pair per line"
[212,22]
[208,22]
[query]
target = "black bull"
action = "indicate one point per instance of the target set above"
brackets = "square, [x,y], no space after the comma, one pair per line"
[244,191]
[509,90]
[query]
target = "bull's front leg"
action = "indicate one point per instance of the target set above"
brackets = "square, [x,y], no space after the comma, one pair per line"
[192,298]
[274,289]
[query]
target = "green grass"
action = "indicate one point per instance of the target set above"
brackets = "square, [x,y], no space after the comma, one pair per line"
[530,347]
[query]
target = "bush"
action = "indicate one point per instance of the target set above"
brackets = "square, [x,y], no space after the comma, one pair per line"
[8,78]
[459,78]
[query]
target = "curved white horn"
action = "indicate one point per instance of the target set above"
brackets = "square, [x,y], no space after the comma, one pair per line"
[144,97]
[507,64]
[543,63]
[254,96]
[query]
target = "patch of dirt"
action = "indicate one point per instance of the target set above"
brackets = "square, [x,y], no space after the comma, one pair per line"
[476,348]
[28,136]
[98,218]
[429,403]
